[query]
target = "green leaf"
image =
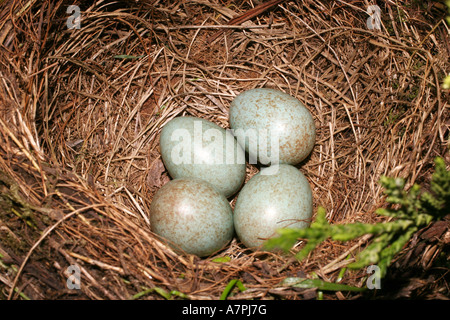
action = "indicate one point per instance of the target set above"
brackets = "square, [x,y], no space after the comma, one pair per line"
[163,293]
[307,248]
[437,203]
[222,259]
[316,233]
[371,254]
[125,56]
[413,210]
[288,237]
[142,293]
[321,218]
[446,84]
[179,294]
[319,284]
[388,253]
[230,286]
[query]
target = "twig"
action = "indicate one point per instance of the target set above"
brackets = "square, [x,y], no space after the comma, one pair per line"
[247,16]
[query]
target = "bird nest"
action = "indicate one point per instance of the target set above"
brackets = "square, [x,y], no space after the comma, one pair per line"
[85,91]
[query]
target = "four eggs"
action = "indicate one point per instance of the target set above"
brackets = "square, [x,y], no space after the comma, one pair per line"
[208,166]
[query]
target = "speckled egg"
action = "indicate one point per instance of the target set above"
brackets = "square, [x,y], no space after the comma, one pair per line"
[272,126]
[277,197]
[196,148]
[192,215]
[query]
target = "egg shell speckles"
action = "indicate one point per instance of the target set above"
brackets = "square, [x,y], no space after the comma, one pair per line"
[196,148]
[192,215]
[272,201]
[275,113]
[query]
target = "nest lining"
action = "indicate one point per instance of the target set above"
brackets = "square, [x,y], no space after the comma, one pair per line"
[82,109]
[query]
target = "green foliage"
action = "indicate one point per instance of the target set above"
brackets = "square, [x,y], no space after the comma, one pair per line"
[163,293]
[305,283]
[446,84]
[223,259]
[235,282]
[411,210]
[448,17]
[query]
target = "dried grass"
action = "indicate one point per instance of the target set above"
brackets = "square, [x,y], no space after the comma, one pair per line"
[79,126]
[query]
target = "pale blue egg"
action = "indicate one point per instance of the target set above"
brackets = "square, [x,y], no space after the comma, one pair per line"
[272,126]
[192,215]
[277,197]
[196,148]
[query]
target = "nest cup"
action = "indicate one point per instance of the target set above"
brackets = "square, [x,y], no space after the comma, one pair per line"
[82,106]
